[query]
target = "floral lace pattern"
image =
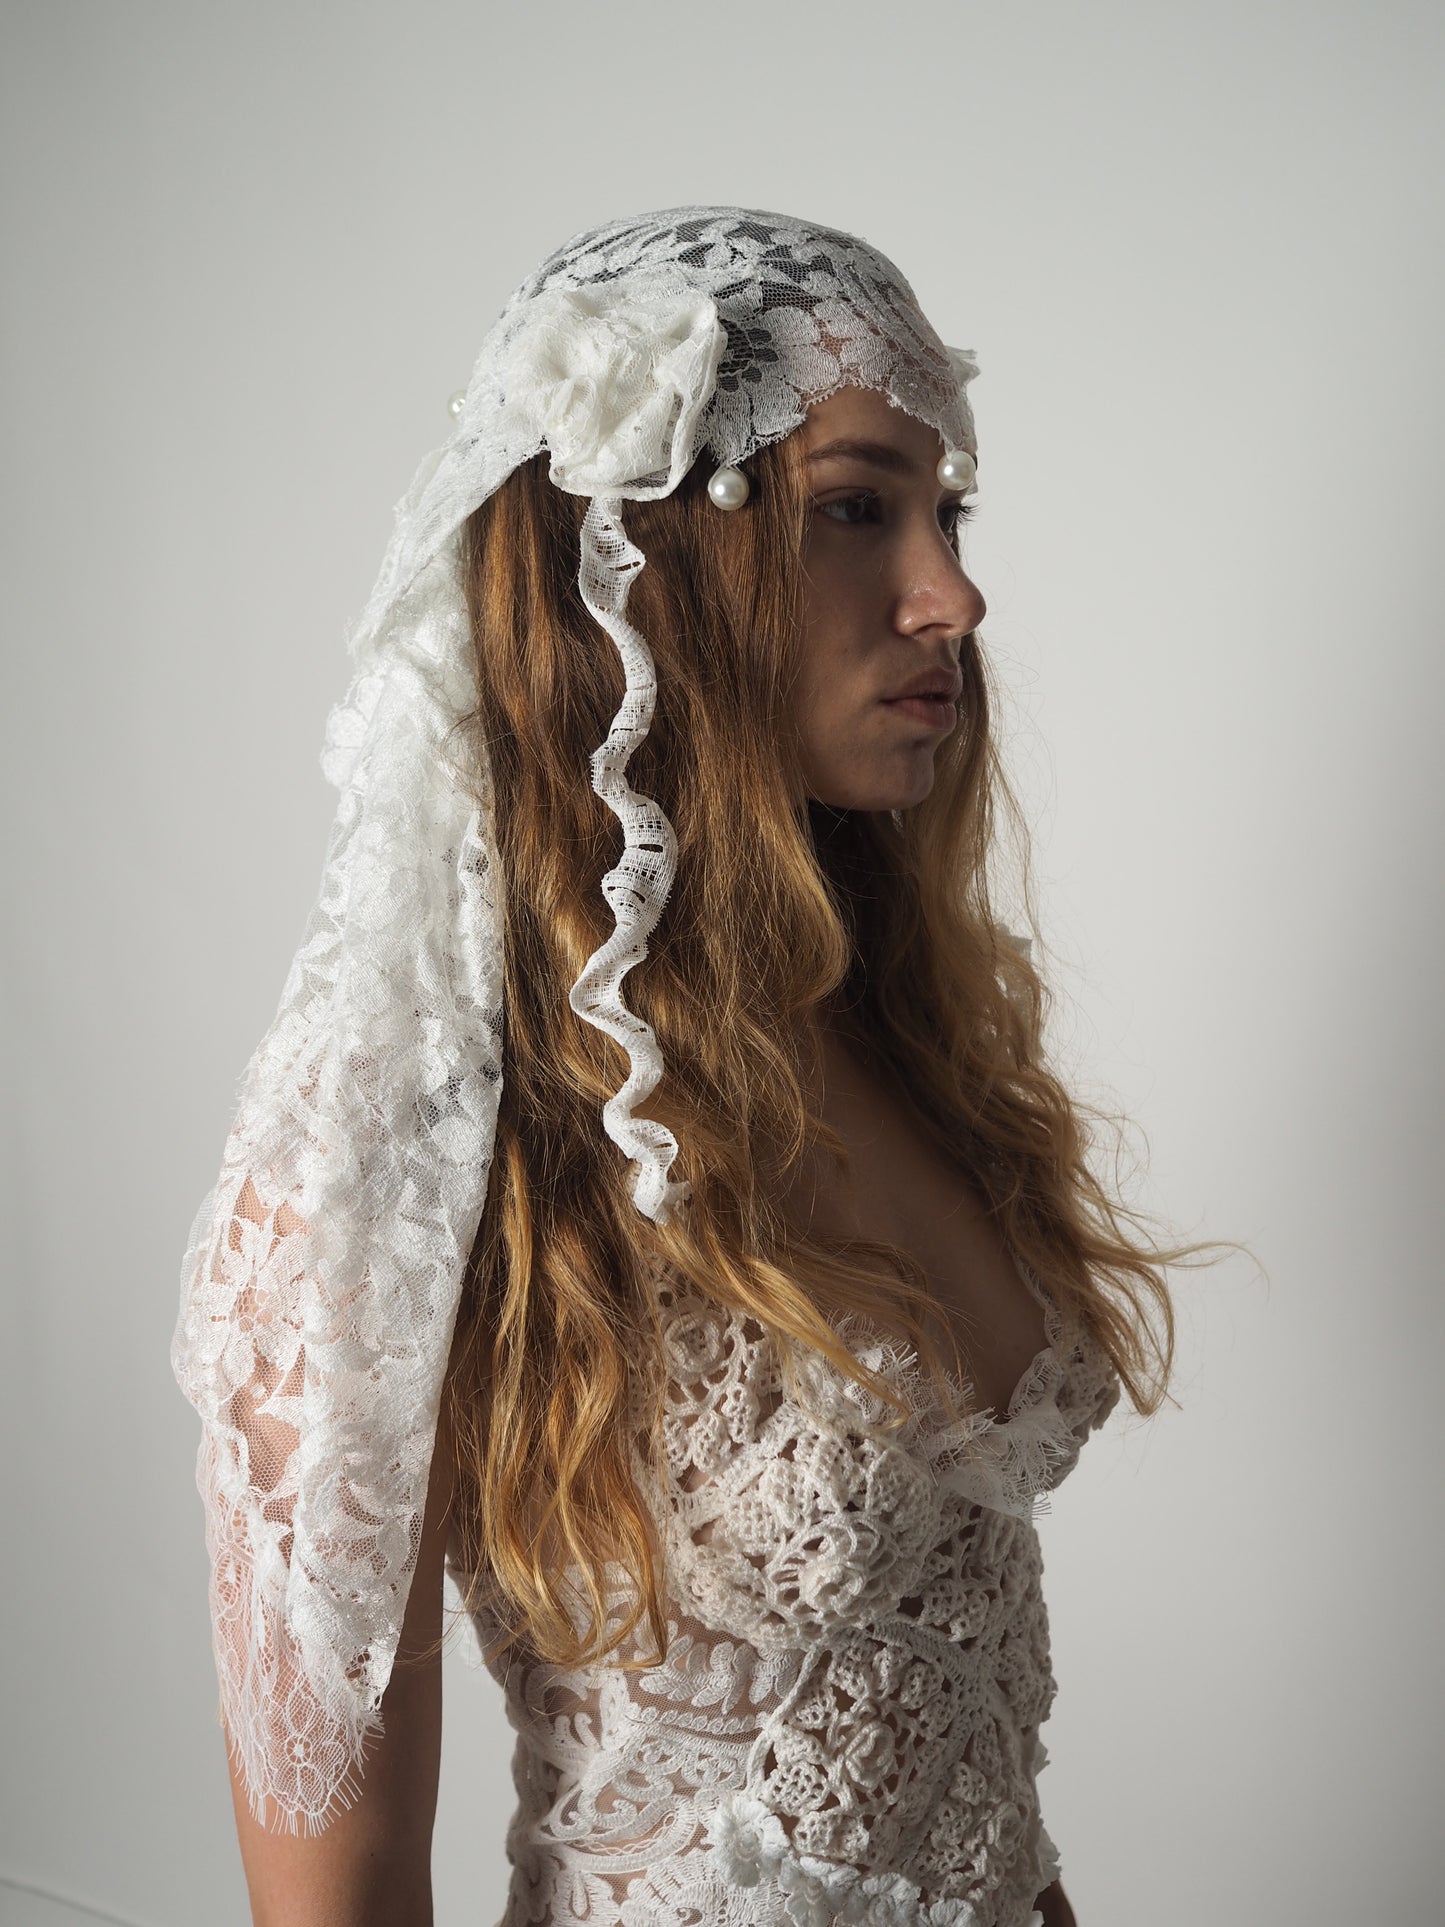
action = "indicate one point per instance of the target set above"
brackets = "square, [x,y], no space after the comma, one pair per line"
[321,1278]
[629,351]
[846,1726]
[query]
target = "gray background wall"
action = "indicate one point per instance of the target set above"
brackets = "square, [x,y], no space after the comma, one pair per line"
[248,253]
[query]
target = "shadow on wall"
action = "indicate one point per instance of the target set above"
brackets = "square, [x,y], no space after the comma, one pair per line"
[24,1905]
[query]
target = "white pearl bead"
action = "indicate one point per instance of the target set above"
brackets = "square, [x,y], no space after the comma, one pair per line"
[457,402]
[729,488]
[958,470]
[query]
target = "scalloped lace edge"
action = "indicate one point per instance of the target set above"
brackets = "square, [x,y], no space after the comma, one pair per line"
[1003,1462]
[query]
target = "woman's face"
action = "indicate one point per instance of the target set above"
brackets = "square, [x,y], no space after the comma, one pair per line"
[886,600]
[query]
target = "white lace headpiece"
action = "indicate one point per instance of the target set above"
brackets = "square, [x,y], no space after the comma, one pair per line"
[320,1285]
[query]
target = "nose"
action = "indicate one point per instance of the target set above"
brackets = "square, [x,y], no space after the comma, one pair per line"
[939,593]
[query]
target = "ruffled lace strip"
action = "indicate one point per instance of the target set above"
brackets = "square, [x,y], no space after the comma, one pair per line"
[638,887]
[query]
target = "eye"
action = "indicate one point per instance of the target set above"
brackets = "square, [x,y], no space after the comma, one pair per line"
[865,502]
[862,499]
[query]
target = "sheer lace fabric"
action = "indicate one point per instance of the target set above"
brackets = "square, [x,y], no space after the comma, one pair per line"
[321,1278]
[846,1726]
[631,350]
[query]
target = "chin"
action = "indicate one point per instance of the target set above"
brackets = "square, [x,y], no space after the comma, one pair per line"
[875,796]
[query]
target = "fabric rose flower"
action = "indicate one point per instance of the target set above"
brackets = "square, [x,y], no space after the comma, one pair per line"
[816,1892]
[747,1837]
[833,1573]
[869,1755]
[613,379]
[693,1343]
[1004,1828]
[957,1913]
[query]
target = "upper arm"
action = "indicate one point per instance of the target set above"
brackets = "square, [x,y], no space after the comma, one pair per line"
[372,1863]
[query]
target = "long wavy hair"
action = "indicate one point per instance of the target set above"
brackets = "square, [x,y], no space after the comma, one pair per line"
[784,914]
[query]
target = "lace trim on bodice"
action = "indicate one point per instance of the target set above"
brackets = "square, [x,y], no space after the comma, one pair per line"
[1008,1463]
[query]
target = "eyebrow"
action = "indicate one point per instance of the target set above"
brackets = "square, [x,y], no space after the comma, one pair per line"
[879,454]
[858,449]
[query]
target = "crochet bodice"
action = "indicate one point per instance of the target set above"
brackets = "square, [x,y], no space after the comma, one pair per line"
[846,1724]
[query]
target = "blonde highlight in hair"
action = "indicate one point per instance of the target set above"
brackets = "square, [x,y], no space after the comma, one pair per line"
[784,914]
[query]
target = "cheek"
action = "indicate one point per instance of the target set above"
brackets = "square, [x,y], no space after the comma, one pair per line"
[827,680]
[842,666]
[836,622]
[830,704]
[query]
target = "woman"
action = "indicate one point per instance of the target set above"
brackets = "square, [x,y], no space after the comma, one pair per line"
[736,1469]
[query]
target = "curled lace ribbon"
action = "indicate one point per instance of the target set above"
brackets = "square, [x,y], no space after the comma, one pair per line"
[637,888]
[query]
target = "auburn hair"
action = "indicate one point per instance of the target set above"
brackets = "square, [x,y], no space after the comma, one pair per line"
[784,912]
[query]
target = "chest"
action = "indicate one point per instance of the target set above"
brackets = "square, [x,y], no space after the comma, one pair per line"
[904,1189]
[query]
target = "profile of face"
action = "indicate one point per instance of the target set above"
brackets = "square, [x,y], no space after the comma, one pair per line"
[886,601]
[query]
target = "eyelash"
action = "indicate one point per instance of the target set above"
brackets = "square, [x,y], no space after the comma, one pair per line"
[960,511]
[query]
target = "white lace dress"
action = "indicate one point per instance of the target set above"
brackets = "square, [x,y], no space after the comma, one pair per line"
[846,1728]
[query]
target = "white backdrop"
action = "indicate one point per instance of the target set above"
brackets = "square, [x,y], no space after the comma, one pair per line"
[249,251]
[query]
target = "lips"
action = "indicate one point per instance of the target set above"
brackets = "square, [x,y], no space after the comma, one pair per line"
[936,712]
[938,684]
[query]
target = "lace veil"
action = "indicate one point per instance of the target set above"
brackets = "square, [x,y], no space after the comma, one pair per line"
[320,1283]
